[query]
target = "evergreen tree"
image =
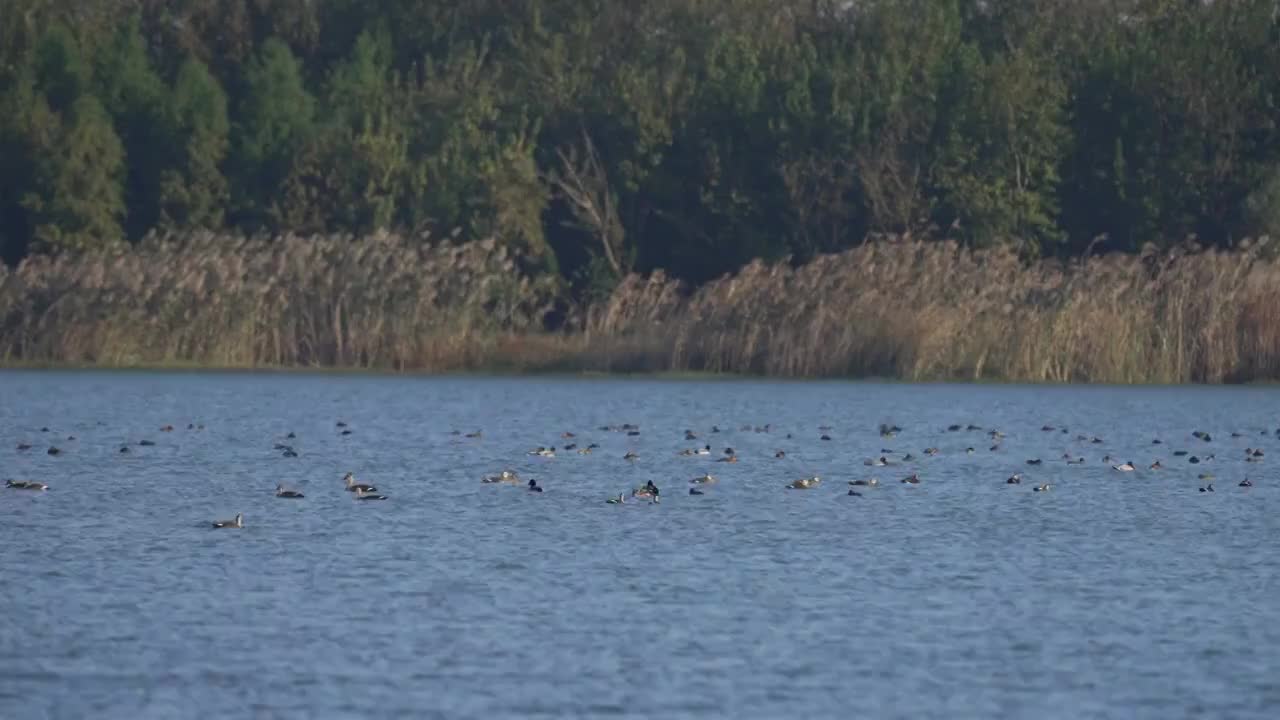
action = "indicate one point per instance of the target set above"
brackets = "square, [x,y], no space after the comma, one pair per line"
[193,190]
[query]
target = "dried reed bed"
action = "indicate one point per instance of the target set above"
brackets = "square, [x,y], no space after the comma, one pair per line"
[933,310]
[904,309]
[382,301]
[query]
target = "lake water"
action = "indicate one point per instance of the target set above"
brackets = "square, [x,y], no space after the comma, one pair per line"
[1113,595]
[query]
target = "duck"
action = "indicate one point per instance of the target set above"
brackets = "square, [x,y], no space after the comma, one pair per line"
[825,437]
[1179,453]
[873,482]
[533,486]
[780,454]
[146,443]
[345,432]
[289,453]
[1155,466]
[54,451]
[631,455]
[908,457]
[506,476]
[474,435]
[1034,461]
[237,522]
[1126,467]
[25,485]
[931,451]
[283,493]
[355,487]
[804,483]
[1202,435]
[1207,488]
[544,452]
[1014,479]
[340,424]
[854,493]
[876,462]
[969,451]
[23,446]
[1246,483]
[912,479]
[367,495]
[124,449]
[1042,488]
[705,480]
[696,491]
[584,451]
[953,428]
[619,500]
[567,435]
[169,428]
[704,450]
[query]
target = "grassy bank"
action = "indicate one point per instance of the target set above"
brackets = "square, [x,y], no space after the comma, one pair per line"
[892,309]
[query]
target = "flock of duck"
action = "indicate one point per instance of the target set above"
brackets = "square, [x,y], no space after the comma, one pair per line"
[650,493]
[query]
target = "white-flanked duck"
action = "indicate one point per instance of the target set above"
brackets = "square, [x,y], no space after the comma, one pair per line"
[506,476]
[1042,488]
[237,522]
[355,487]
[1126,467]
[283,492]
[25,485]
[873,482]
[620,500]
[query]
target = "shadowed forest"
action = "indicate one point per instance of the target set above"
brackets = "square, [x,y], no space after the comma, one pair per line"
[1015,189]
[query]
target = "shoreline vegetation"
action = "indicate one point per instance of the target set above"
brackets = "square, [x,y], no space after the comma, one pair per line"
[1021,190]
[892,308]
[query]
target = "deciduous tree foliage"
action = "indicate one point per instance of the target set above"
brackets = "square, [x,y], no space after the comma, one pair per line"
[598,138]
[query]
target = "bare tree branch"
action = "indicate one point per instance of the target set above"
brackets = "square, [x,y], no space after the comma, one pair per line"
[583,182]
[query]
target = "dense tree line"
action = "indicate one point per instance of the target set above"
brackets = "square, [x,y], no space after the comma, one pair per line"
[598,137]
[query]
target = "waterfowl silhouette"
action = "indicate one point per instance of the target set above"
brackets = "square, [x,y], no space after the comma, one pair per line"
[23,446]
[912,479]
[696,491]
[25,485]
[124,449]
[355,487]
[237,522]
[704,450]
[1126,467]
[53,451]
[873,482]
[1155,466]
[283,493]
[620,500]
[931,451]
[780,454]
[533,486]
[474,435]
[631,455]
[1246,483]
[1179,453]
[340,424]
[1014,479]
[1042,488]
[1034,461]
[146,443]
[1207,488]
[825,437]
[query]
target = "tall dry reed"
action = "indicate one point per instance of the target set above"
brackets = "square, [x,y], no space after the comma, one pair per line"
[905,309]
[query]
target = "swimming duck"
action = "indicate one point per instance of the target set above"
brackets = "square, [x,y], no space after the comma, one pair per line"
[571,446]
[533,486]
[889,430]
[124,449]
[705,480]
[1193,460]
[54,451]
[620,500]
[1047,428]
[1157,441]
[968,451]
[930,451]
[704,450]
[23,446]
[340,424]
[290,453]
[1246,483]
[584,451]
[146,443]
[1041,488]
[1202,435]
[876,462]
[474,435]
[282,492]
[953,428]
[367,495]
[912,479]
[167,428]
[865,483]
[1034,461]
[1207,488]
[825,437]
[345,432]
[854,493]
[780,454]
[544,452]
[567,435]
[690,435]
[631,455]
[25,485]
[1155,466]
[353,486]
[908,457]
[1179,453]
[804,483]
[696,491]
[506,476]
[238,522]
[1126,467]
[1014,479]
